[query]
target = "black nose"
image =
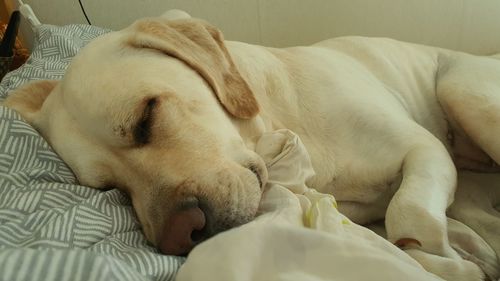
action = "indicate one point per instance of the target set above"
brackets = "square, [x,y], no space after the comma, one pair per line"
[184,229]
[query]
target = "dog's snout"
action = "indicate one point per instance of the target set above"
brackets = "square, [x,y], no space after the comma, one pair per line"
[183,230]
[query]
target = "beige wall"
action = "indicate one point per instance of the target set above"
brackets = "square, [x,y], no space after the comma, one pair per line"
[469,25]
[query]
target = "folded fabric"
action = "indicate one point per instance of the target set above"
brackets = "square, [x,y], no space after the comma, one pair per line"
[300,234]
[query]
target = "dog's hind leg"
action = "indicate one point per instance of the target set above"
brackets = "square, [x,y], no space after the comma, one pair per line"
[475,200]
[468,89]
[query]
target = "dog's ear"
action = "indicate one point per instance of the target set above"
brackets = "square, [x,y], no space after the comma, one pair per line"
[28,99]
[201,47]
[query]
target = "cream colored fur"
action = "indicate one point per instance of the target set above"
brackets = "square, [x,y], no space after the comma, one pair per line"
[385,123]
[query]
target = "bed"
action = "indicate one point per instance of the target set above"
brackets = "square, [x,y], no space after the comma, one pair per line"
[52,228]
[47,221]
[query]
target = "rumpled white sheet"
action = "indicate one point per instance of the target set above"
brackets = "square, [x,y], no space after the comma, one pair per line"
[300,234]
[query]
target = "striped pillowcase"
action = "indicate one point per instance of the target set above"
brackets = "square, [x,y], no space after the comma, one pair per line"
[51,228]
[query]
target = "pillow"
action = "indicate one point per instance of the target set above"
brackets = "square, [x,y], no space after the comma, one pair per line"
[51,228]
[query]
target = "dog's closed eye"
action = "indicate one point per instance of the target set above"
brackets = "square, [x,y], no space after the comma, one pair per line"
[142,130]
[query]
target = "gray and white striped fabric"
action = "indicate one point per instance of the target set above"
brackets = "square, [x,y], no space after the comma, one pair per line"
[51,228]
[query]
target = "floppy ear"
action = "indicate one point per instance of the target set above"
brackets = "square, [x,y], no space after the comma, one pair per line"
[28,99]
[201,47]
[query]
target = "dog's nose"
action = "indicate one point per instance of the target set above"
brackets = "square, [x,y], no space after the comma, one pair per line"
[184,229]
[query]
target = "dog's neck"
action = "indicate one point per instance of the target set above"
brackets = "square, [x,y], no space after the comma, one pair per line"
[267,75]
[283,87]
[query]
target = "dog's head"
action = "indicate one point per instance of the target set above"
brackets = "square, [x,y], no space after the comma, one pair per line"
[151,110]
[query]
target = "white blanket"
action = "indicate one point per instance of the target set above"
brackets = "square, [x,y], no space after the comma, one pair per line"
[300,234]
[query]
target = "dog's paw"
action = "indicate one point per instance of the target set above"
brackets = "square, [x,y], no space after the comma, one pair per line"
[447,268]
[486,260]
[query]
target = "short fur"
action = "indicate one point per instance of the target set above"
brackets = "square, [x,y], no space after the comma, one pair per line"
[385,123]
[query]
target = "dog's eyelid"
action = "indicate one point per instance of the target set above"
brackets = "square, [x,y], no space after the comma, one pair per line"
[142,129]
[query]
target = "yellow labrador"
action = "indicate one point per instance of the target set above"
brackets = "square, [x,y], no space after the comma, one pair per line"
[168,111]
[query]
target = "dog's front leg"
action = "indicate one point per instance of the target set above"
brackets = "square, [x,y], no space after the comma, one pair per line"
[417,212]
[416,216]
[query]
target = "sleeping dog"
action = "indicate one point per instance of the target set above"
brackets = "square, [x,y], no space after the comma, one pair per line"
[169,112]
